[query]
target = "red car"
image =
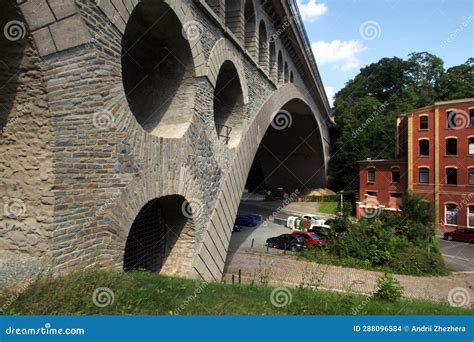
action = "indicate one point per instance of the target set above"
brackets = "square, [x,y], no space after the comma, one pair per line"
[460,235]
[312,239]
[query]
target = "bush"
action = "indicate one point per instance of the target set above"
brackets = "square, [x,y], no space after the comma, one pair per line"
[418,261]
[388,288]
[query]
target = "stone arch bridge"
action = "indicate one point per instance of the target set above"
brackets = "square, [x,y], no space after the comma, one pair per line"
[130,129]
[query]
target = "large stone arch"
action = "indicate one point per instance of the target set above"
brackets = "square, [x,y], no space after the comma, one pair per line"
[127,204]
[222,51]
[223,215]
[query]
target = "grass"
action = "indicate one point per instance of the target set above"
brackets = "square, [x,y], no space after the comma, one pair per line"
[141,293]
[328,207]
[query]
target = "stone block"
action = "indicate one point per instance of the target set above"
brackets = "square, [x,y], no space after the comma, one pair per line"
[37,14]
[44,41]
[70,32]
[63,8]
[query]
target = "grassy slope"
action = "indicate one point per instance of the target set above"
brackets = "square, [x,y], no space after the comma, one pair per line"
[140,293]
[328,207]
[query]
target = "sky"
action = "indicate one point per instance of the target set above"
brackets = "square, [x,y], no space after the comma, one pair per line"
[346,35]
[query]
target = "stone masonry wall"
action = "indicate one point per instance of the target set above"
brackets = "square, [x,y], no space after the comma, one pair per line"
[107,167]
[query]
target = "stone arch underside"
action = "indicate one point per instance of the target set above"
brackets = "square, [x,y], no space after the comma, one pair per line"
[217,235]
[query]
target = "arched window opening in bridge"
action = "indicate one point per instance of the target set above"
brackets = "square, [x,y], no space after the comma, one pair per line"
[228,105]
[292,78]
[234,17]
[280,68]
[158,70]
[161,237]
[262,46]
[250,28]
[273,66]
[286,73]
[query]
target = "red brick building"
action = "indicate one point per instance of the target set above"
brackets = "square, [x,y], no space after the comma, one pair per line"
[434,160]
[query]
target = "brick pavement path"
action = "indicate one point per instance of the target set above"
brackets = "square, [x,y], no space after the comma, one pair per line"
[291,272]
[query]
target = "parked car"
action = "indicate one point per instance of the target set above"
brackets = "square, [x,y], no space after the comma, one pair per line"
[312,239]
[323,231]
[304,222]
[465,234]
[287,241]
[246,220]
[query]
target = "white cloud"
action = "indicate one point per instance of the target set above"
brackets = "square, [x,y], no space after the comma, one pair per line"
[330,92]
[311,10]
[343,55]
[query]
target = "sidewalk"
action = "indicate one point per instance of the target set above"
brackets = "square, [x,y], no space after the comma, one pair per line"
[290,272]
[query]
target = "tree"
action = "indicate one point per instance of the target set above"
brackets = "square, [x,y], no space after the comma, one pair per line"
[365,109]
[458,82]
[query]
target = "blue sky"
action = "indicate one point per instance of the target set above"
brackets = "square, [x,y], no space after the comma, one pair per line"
[348,34]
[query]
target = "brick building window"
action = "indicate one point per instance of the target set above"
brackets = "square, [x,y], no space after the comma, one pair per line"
[424,147]
[395,175]
[471,146]
[471,117]
[471,176]
[451,176]
[451,119]
[423,122]
[451,214]
[371,175]
[424,175]
[451,147]
[470,219]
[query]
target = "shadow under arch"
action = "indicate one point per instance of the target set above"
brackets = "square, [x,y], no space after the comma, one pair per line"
[291,153]
[160,236]
[11,57]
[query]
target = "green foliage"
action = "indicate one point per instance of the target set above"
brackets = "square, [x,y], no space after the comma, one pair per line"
[143,293]
[366,107]
[388,288]
[401,243]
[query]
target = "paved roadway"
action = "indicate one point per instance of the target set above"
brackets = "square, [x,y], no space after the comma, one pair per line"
[459,256]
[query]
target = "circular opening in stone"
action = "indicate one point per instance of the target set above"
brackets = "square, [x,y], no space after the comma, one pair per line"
[158,70]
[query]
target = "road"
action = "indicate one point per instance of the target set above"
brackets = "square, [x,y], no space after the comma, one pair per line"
[459,256]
